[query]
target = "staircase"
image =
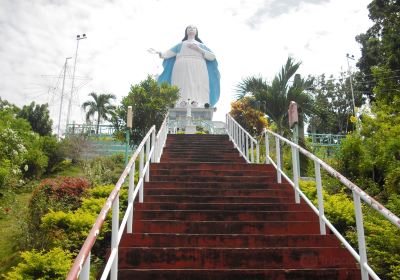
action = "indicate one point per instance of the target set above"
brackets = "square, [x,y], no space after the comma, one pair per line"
[207,214]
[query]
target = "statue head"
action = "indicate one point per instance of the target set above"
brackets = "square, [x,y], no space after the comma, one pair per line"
[192,29]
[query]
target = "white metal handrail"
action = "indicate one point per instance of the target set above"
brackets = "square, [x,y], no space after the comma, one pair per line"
[242,140]
[149,150]
[358,194]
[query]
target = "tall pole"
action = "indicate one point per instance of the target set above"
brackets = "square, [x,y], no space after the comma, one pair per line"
[78,38]
[351,82]
[62,96]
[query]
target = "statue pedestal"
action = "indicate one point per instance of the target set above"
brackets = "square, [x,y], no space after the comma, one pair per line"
[196,113]
[190,129]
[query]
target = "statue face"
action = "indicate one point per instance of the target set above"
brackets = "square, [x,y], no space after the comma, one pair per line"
[191,30]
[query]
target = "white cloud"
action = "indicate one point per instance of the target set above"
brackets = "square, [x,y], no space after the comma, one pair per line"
[248,37]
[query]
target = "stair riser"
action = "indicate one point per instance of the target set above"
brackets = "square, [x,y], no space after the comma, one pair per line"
[224,216]
[212,172]
[219,193]
[202,158]
[227,241]
[210,199]
[212,166]
[218,186]
[326,274]
[226,227]
[234,179]
[221,206]
[224,258]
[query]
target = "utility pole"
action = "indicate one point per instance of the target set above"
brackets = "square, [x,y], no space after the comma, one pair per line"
[351,82]
[78,38]
[62,96]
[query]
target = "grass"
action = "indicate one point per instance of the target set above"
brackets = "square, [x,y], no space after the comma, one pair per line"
[13,209]
[10,228]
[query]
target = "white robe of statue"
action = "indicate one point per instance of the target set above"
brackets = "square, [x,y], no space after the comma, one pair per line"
[190,73]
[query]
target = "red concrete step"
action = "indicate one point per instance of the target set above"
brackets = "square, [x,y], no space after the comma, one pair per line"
[205,157]
[244,179]
[245,206]
[241,274]
[217,185]
[219,192]
[226,227]
[213,166]
[163,240]
[213,199]
[234,258]
[200,154]
[207,172]
[202,160]
[197,142]
[218,215]
[223,149]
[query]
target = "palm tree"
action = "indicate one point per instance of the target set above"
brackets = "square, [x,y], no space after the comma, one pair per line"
[101,104]
[275,98]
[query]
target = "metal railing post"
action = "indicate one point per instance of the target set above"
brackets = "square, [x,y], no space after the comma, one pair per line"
[266,148]
[362,251]
[252,152]
[130,197]
[114,237]
[295,175]
[318,182]
[153,143]
[147,160]
[141,159]
[85,273]
[258,152]
[247,146]
[278,160]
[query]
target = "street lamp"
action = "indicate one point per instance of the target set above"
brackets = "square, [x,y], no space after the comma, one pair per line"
[351,81]
[62,96]
[78,38]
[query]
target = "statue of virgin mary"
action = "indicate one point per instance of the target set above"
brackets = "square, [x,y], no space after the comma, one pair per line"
[192,67]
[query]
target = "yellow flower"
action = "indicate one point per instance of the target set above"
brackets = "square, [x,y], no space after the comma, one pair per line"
[353,119]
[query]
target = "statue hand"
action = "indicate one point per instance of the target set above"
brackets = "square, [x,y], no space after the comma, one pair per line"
[195,47]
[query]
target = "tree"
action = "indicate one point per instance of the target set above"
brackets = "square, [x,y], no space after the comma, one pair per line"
[38,116]
[275,98]
[379,44]
[250,119]
[150,103]
[333,105]
[100,106]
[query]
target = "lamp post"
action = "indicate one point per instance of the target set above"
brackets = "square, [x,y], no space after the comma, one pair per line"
[78,38]
[62,96]
[351,81]
[129,118]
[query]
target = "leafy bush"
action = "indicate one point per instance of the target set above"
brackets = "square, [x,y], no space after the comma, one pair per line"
[60,193]
[104,170]
[69,230]
[338,207]
[54,264]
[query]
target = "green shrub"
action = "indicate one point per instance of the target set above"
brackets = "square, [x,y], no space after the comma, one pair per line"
[60,193]
[54,264]
[36,161]
[69,230]
[104,170]
[338,207]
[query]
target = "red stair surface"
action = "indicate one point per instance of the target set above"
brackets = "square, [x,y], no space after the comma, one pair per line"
[207,214]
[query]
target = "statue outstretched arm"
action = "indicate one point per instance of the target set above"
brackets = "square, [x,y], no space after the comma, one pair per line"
[167,54]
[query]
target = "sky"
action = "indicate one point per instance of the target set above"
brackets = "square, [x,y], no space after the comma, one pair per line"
[249,38]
